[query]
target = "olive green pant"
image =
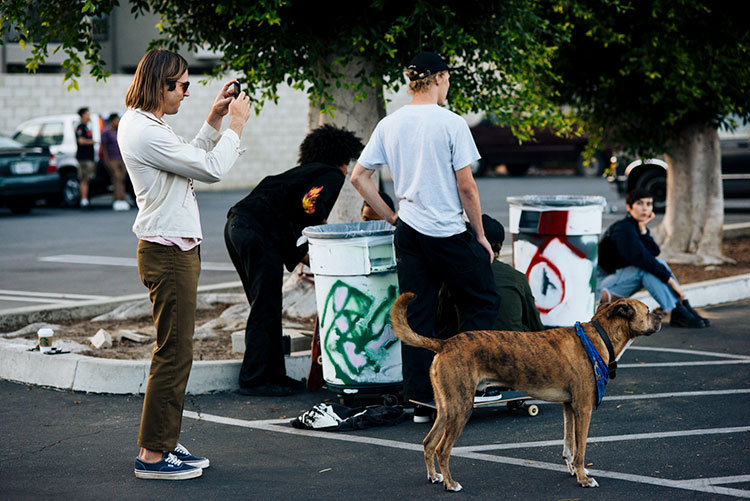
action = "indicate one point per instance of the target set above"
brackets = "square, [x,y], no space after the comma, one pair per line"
[171,276]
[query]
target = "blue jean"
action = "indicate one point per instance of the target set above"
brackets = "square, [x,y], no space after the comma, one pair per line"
[627,281]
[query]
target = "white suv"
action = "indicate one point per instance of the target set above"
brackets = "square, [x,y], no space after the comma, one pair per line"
[58,133]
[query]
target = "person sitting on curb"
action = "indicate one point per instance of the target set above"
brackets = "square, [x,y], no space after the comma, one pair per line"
[628,262]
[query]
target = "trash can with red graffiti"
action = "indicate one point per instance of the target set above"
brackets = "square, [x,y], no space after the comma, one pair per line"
[556,243]
[355,286]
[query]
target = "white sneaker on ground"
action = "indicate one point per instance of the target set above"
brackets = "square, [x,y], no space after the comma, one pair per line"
[120,205]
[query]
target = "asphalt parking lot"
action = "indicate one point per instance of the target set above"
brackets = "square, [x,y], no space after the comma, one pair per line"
[675,424]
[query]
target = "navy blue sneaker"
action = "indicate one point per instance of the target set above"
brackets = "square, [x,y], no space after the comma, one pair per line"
[184,455]
[169,468]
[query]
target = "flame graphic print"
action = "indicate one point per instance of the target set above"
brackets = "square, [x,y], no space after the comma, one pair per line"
[308,201]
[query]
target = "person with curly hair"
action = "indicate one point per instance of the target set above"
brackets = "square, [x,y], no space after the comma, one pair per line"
[261,235]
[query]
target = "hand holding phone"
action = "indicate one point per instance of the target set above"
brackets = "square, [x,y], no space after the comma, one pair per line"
[236,89]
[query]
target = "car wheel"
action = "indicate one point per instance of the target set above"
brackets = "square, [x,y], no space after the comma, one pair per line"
[655,182]
[71,191]
[478,167]
[594,168]
[517,170]
[21,206]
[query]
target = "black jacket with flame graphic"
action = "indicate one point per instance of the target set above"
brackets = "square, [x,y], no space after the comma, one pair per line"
[281,206]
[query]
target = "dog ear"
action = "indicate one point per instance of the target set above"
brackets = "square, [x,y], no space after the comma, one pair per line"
[622,309]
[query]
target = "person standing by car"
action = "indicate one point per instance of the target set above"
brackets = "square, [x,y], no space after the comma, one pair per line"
[85,155]
[113,161]
[429,151]
[162,167]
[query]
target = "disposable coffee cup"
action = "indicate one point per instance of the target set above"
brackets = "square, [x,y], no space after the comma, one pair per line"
[46,336]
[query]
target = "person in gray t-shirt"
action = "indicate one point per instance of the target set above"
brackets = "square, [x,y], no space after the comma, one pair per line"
[428,150]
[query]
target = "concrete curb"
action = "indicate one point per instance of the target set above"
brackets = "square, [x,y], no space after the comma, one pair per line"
[100,375]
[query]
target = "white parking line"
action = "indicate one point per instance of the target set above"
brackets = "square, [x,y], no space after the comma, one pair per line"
[51,295]
[122,261]
[689,352]
[699,485]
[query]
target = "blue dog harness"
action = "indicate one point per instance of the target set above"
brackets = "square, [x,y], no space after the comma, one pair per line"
[601,371]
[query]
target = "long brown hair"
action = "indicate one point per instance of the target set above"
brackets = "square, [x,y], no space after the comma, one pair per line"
[157,68]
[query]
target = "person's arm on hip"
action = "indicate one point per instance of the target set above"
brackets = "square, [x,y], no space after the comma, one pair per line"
[468,193]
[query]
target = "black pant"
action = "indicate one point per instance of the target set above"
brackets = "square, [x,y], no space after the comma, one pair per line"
[260,267]
[424,264]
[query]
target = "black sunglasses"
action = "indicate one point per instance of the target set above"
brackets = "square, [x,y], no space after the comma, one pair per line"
[184,84]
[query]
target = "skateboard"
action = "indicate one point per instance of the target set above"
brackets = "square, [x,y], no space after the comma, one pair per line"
[512,399]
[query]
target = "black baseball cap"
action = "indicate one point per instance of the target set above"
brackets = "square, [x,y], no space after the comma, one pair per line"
[493,230]
[426,64]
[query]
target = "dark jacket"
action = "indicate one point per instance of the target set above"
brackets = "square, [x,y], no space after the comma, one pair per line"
[623,245]
[281,206]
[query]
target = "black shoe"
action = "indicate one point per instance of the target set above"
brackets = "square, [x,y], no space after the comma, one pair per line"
[423,414]
[266,390]
[689,308]
[681,317]
[293,384]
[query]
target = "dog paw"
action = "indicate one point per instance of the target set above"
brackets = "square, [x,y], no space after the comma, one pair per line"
[437,479]
[454,488]
[571,470]
[590,482]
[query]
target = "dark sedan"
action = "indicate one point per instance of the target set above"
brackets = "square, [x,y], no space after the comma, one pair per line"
[497,145]
[26,175]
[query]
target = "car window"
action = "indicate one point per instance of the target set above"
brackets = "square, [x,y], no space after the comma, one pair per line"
[6,142]
[27,135]
[52,134]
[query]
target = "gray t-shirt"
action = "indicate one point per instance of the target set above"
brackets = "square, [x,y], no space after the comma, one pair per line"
[424,145]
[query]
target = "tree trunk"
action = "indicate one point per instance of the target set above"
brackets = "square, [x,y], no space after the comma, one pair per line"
[357,116]
[691,230]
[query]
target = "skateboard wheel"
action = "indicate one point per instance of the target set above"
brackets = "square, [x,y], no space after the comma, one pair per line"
[532,410]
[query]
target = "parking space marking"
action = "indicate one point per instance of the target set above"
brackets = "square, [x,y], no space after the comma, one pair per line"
[689,352]
[697,363]
[122,261]
[700,485]
[610,438]
[52,297]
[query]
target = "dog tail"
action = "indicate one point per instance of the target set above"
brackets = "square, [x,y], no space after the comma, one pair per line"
[402,329]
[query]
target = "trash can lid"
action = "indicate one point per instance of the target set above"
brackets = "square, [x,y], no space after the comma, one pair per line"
[349,230]
[556,201]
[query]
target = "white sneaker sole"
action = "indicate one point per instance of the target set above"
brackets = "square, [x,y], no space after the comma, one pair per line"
[203,463]
[422,419]
[156,475]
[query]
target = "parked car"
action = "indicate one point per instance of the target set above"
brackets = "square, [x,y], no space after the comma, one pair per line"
[58,133]
[651,174]
[26,175]
[498,145]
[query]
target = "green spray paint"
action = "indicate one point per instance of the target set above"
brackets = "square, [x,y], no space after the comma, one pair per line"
[356,330]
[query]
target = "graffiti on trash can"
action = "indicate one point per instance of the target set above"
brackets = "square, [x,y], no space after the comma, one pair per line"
[560,271]
[356,331]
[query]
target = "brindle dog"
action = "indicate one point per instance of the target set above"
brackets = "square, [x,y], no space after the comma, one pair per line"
[549,365]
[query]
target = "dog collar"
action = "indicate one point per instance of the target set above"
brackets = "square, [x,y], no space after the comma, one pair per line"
[612,362]
[601,372]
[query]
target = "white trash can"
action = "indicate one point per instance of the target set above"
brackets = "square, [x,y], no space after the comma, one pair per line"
[556,244]
[355,286]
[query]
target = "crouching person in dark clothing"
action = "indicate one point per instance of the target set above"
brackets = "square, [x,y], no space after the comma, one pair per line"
[261,235]
[628,262]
